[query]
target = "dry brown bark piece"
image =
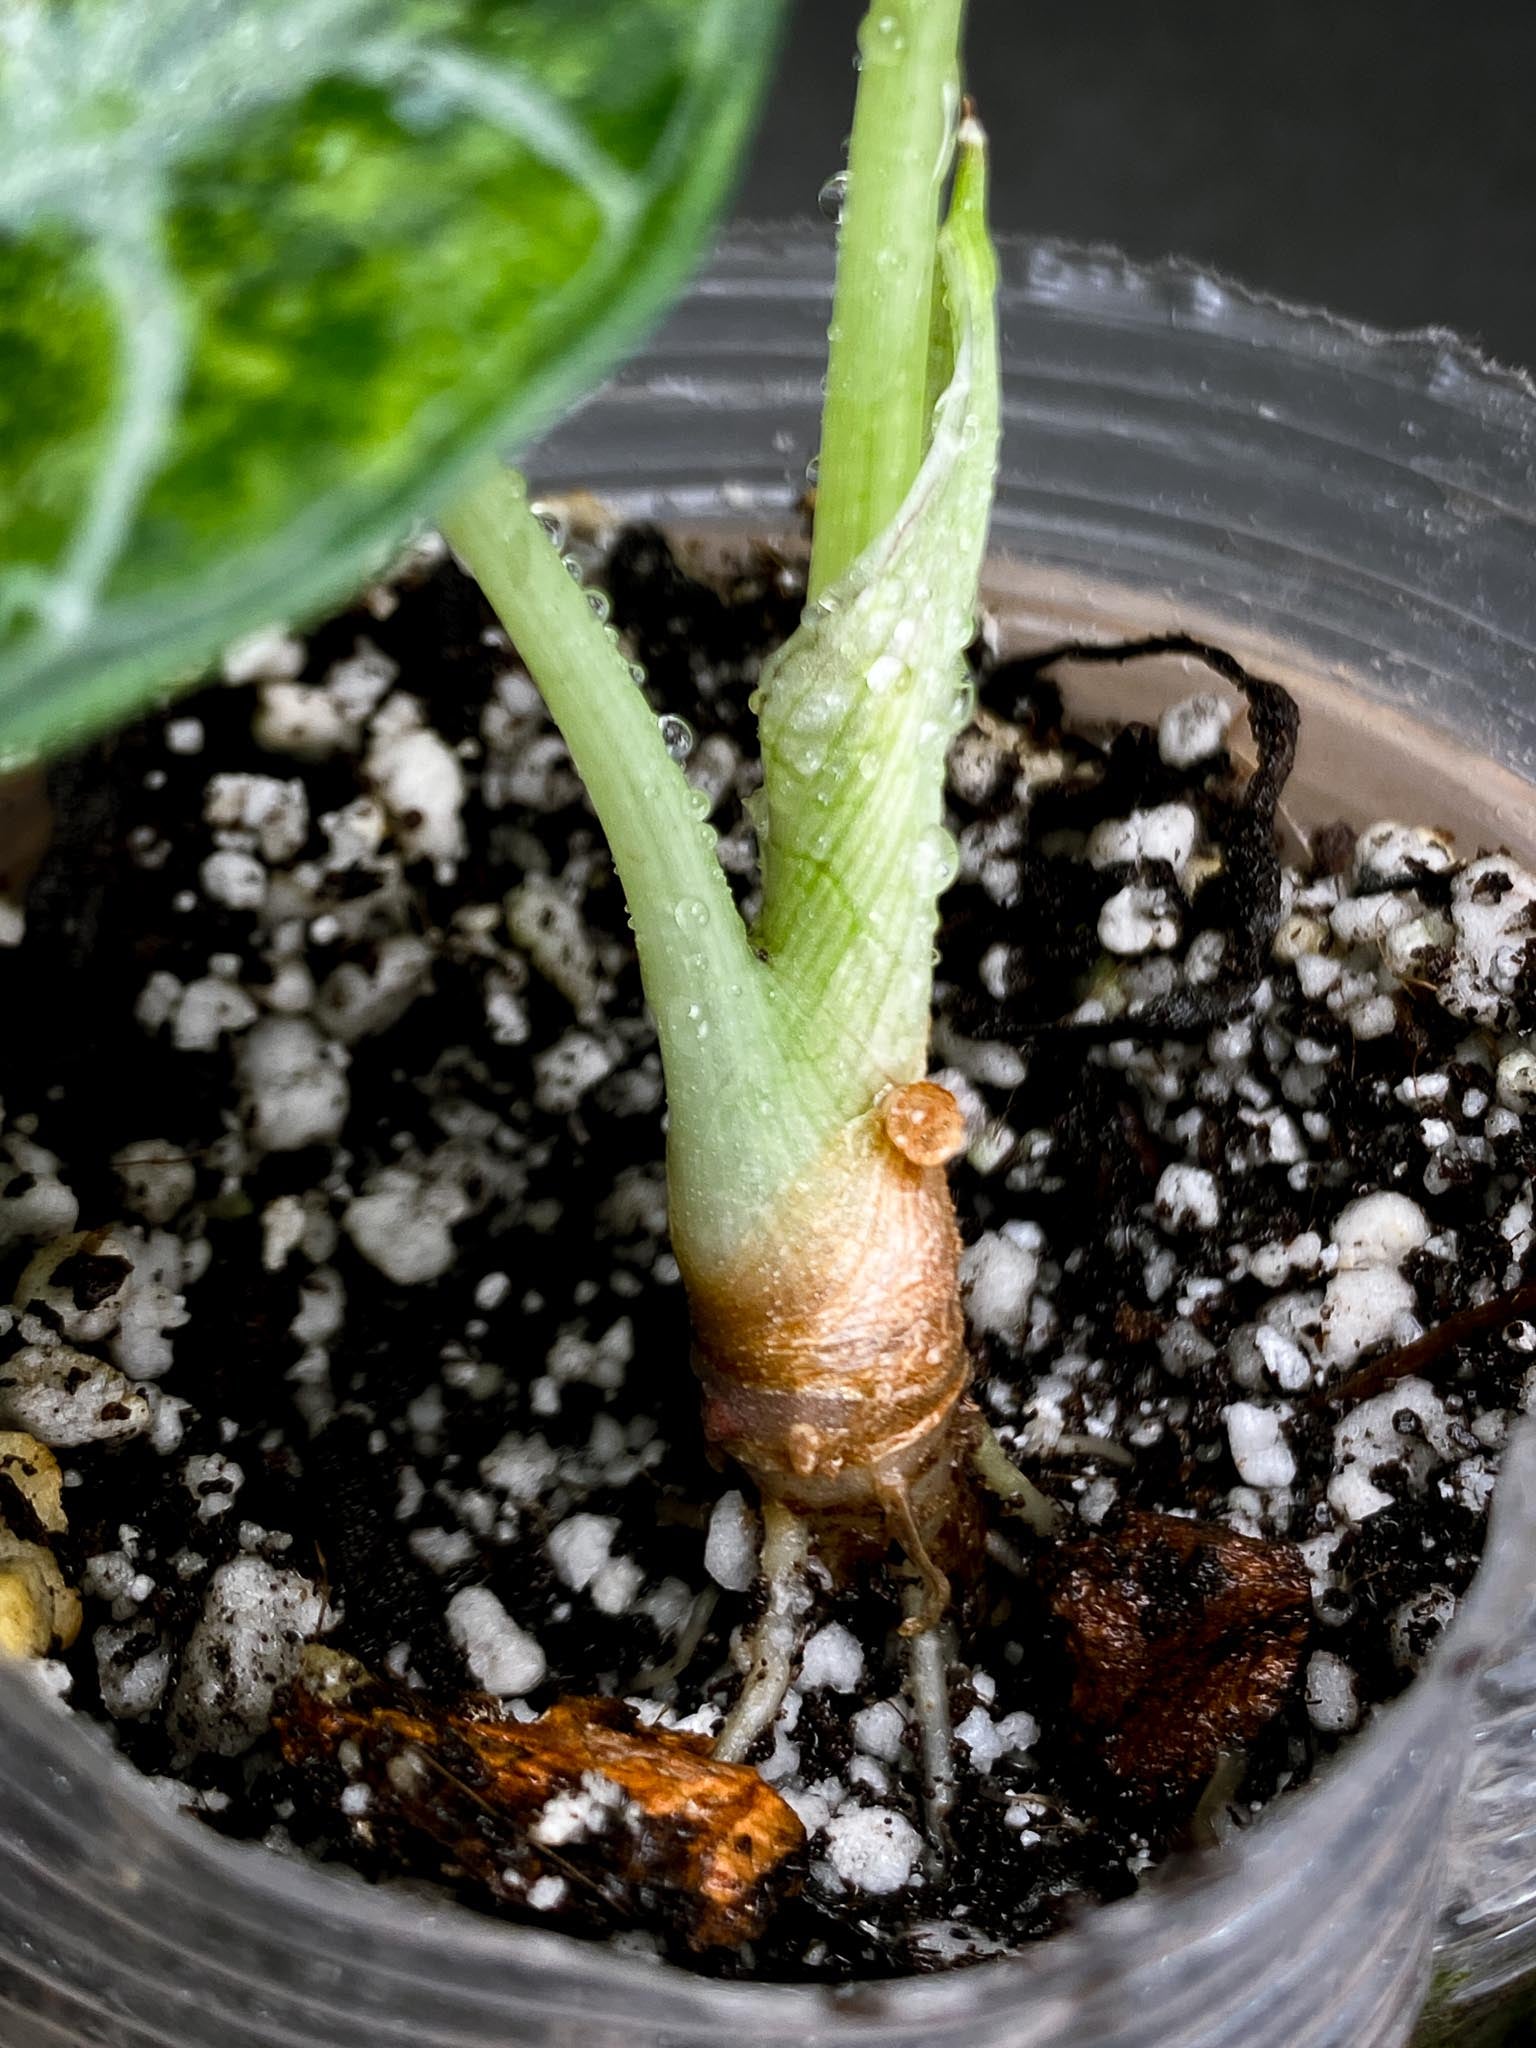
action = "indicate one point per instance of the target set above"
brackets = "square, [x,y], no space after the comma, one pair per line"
[621,1812]
[1183,1640]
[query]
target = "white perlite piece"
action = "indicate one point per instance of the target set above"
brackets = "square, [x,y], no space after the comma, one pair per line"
[282,1232]
[997,1278]
[35,1205]
[730,1547]
[1373,1018]
[544,919]
[1363,920]
[50,1284]
[879,1730]
[237,880]
[1378,1230]
[207,1010]
[833,1660]
[873,1849]
[1407,947]
[1420,1622]
[270,815]
[989,1741]
[574,1816]
[617,1586]
[272,651]
[1166,833]
[298,719]
[355,1002]
[356,686]
[502,1657]
[1259,1450]
[564,1071]
[1193,730]
[322,1306]
[1283,1357]
[1353,1494]
[1492,901]
[576,1359]
[520,1467]
[1361,1307]
[442,1550]
[152,1303]
[133,1668]
[247,1643]
[403,1222]
[579,1548]
[1389,855]
[422,786]
[1331,1702]
[354,833]
[158,1179]
[1370,1452]
[213,1481]
[1188,1198]
[1516,1083]
[295,1084]
[1138,920]
[66,1398]
[184,736]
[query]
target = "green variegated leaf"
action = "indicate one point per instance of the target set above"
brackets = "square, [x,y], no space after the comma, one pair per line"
[271,271]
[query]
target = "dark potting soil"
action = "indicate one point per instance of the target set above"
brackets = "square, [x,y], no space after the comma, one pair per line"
[327,1028]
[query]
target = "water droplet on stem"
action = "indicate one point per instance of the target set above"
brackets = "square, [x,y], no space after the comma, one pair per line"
[833,195]
[677,735]
[551,522]
[935,859]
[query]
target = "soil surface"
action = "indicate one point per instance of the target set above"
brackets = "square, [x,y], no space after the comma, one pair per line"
[326,1031]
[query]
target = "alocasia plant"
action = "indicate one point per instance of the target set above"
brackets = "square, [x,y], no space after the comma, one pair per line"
[809,1208]
[271,269]
[270,275]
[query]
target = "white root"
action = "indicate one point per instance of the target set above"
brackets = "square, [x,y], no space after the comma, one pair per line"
[997,1471]
[1002,1552]
[775,1639]
[1205,1828]
[658,1677]
[929,1654]
[1101,1448]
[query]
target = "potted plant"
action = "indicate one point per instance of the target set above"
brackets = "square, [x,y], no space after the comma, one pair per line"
[781,1132]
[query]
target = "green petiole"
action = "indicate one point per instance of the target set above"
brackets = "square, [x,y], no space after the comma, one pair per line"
[776,1042]
[879,406]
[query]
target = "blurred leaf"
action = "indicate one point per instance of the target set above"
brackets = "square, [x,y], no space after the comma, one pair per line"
[272,271]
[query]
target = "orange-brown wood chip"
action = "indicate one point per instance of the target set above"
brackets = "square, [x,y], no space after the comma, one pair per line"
[619,1816]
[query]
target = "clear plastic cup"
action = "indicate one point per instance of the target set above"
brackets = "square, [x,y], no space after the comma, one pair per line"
[1357,508]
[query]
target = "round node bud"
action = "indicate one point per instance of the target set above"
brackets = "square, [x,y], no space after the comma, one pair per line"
[924,1122]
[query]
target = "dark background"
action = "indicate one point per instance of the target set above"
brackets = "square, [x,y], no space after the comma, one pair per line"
[1374,156]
